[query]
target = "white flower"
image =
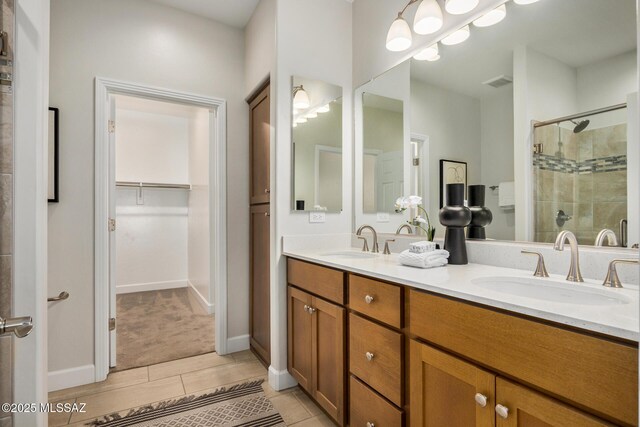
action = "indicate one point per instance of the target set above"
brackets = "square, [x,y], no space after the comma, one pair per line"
[401,204]
[414,201]
[420,219]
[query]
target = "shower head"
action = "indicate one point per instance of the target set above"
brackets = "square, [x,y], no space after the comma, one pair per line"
[580,126]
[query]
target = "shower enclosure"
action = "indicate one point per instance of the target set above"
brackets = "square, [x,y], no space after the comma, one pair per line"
[580,175]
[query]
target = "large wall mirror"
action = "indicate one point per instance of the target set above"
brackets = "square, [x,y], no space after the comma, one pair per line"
[316,136]
[540,108]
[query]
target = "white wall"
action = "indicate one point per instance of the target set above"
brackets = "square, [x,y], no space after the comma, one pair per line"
[146,43]
[260,45]
[607,82]
[452,123]
[199,238]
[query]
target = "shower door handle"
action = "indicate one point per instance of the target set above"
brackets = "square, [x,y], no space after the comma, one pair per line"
[623,233]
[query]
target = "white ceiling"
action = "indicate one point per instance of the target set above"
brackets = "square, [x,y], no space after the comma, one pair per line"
[576,32]
[231,12]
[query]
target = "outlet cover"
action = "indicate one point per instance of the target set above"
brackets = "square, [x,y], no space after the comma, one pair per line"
[382,217]
[315,217]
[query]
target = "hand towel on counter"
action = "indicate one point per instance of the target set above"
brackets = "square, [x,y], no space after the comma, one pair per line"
[422,247]
[437,258]
[507,195]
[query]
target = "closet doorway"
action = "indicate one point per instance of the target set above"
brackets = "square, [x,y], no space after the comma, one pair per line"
[163,246]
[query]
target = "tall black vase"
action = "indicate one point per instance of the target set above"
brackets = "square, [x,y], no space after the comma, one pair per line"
[481,216]
[455,216]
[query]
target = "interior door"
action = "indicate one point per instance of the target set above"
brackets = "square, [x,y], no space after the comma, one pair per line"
[112,225]
[390,179]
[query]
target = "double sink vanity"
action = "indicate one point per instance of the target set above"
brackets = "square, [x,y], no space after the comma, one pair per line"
[376,343]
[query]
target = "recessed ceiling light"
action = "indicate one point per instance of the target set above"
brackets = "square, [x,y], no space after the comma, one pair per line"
[428,17]
[459,7]
[399,35]
[492,17]
[458,37]
[428,54]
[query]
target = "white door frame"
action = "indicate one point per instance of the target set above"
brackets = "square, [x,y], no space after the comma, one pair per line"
[423,155]
[105,87]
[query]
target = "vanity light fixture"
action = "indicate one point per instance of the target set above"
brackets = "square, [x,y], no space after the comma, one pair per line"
[428,54]
[460,7]
[492,17]
[312,114]
[300,98]
[457,37]
[324,109]
[301,120]
[428,17]
[524,1]
[399,35]
[295,124]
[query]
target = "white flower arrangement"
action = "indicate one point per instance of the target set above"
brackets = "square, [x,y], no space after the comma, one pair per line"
[406,202]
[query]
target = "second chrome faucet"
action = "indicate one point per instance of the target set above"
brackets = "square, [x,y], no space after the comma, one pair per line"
[574,269]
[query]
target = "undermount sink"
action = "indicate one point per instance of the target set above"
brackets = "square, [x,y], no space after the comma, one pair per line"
[550,290]
[350,254]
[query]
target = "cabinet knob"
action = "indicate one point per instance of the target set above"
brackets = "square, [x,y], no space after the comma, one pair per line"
[306,308]
[503,411]
[267,191]
[368,299]
[370,424]
[312,310]
[369,356]
[481,399]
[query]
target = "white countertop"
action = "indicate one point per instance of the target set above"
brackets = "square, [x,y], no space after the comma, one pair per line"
[619,320]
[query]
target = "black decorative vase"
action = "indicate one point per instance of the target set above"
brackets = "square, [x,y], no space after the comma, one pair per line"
[455,216]
[481,216]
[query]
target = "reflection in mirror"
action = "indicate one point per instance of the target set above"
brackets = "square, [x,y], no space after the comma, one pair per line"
[476,103]
[383,142]
[317,145]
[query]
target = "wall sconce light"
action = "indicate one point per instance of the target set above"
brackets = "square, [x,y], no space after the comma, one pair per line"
[300,98]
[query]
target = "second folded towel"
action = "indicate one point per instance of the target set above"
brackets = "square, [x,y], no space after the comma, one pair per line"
[437,258]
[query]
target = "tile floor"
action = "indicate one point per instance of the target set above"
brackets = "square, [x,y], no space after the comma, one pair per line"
[195,375]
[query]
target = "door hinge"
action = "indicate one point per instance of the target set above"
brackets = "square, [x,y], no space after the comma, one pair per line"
[416,162]
[112,126]
[112,224]
[537,148]
[112,324]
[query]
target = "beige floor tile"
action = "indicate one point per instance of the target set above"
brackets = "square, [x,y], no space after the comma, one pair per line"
[245,355]
[182,366]
[113,381]
[60,418]
[221,375]
[318,421]
[290,408]
[306,401]
[118,400]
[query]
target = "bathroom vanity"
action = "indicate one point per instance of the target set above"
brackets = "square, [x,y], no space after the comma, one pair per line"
[379,344]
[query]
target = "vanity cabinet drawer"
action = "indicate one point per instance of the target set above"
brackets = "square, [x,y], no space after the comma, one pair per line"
[375,356]
[378,300]
[366,407]
[324,282]
[589,372]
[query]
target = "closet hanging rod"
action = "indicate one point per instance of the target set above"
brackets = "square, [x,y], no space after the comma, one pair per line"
[151,185]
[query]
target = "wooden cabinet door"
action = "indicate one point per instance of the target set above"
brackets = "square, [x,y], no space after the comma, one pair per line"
[259,137]
[329,357]
[259,293]
[299,337]
[443,390]
[527,408]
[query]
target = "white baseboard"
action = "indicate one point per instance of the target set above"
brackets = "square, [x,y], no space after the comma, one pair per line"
[239,343]
[208,307]
[151,286]
[281,380]
[71,377]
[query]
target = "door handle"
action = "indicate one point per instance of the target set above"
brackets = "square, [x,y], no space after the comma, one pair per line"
[20,326]
[61,297]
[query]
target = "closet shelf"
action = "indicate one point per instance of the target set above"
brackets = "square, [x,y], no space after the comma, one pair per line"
[151,185]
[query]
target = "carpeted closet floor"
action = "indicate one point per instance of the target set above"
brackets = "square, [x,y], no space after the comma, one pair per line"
[159,326]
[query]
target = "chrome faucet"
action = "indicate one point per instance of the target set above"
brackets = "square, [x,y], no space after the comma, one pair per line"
[374,245]
[607,234]
[403,226]
[574,269]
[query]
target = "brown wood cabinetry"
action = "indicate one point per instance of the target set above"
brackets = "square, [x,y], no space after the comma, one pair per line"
[260,331]
[368,408]
[259,140]
[316,348]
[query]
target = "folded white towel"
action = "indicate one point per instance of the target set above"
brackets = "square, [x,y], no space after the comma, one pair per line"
[422,247]
[436,258]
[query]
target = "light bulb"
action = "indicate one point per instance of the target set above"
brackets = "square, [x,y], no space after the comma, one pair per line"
[311,114]
[428,54]
[324,109]
[301,99]
[459,7]
[428,17]
[525,1]
[399,35]
[458,37]
[301,120]
[492,17]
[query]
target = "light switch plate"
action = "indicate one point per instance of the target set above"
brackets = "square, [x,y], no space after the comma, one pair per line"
[316,217]
[382,217]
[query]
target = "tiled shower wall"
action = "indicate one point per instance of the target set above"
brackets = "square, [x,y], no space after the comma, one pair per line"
[585,176]
[6,209]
